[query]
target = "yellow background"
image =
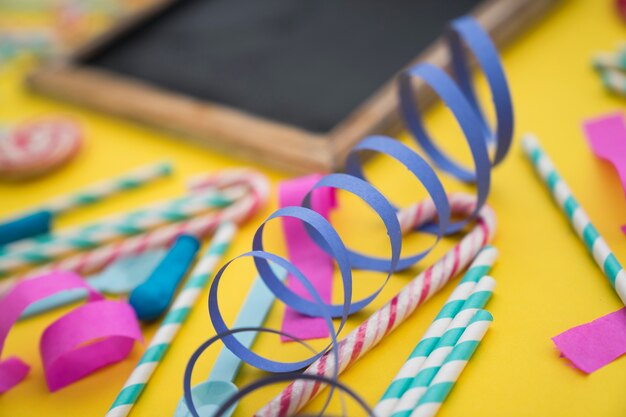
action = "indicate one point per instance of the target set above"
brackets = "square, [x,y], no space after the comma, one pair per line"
[546,281]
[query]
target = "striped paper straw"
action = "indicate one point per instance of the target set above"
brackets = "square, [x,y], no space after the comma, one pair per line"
[421,380]
[382,322]
[172,210]
[453,365]
[613,79]
[176,316]
[90,195]
[95,259]
[577,217]
[605,60]
[258,185]
[425,211]
[98,192]
[48,248]
[401,382]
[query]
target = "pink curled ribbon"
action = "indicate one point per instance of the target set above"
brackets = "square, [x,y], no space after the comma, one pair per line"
[305,254]
[65,347]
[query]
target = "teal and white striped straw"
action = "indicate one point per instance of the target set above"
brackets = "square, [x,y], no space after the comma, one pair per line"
[477,300]
[448,374]
[577,217]
[611,67]
[458,299]
[99,191]
[176,316]
[609,60]
[613,80]
[21,228]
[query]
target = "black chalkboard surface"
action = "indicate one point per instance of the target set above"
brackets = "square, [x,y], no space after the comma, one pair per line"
[307,63]
[290,83]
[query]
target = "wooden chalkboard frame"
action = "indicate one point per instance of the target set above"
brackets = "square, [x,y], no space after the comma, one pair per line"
[228,129]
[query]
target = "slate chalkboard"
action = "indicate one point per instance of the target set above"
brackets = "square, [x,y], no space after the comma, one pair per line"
[308,63]
[290,83]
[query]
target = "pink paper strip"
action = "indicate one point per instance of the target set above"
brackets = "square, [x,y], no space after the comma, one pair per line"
[13,369]
[607,138]
[58,337]
[593,345]
[65,352]
[314,263]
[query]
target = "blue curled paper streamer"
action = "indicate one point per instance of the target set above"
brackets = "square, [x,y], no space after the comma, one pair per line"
[458,95]
[274,379]
[466,109]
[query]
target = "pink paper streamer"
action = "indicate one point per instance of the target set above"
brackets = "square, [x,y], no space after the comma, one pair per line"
[593,345]
[65,353]
[607,138]
[314,263]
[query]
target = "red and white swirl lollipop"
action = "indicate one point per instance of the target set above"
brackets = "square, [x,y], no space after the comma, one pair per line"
[34,148]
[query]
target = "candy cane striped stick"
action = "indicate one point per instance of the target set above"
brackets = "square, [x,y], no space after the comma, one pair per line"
[467,295]
[27,253]
[172,322]
[453,365]
[257,194]
[577,217]
[98,192]
[386,319]
[257,184]
[424,376]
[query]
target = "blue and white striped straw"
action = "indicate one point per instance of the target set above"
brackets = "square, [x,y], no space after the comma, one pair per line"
[577,217]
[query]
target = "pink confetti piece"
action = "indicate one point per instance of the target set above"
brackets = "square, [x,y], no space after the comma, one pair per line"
[66,351]
[73,347]
[594,345]
[314,263]
[607,138]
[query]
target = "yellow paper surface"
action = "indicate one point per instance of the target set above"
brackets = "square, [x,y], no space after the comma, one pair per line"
[546,282]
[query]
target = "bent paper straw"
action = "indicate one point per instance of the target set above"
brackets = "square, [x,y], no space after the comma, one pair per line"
[172,322]
[54,246]
[454,364]
[480,296]
[595,244]
[382,322]
[457,300]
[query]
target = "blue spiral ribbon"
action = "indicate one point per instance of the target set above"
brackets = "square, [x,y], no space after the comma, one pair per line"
[457,93]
